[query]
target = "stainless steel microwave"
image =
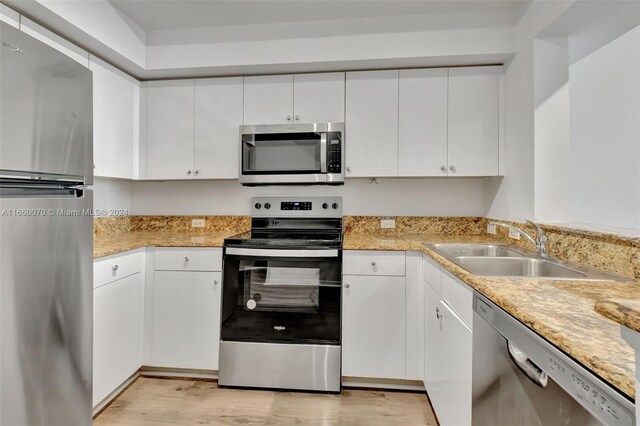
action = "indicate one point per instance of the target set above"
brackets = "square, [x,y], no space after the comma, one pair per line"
[292,154]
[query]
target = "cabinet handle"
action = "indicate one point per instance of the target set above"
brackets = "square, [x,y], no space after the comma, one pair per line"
[453,169]
[188,172]
[197,172]
[186,259]
[114,268]
[346,285]
[444,169]
[288,118]
[373,263]
[297,117]
[438,313]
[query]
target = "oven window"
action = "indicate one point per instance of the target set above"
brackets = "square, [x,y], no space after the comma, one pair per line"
[281,153]
[281,300]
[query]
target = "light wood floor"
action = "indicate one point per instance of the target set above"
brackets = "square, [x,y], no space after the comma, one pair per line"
[151,401]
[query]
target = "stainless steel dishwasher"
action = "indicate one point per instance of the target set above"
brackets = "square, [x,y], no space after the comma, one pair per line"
[521,379]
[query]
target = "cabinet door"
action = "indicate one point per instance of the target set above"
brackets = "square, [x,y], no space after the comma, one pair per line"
[414,357]
[433,351]
[452,398]
[372,123]
[118,323]
[422,123]
[114,99]
[170,129]
[268,99]
[373,327]
[318,98]
[186,320]
[474,121]
[219,114]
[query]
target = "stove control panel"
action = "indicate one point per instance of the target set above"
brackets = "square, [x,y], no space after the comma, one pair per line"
[296,205]
[311,207]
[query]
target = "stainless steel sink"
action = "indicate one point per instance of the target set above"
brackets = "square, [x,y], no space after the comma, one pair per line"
[502,260]
[478,249]
[518,267]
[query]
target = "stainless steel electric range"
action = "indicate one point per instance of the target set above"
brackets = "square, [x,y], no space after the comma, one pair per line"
[281,300]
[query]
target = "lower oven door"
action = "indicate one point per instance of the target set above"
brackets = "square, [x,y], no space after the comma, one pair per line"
[282,296]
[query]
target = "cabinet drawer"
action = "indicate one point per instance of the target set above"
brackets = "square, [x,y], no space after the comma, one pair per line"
[459,296]
[374,263]
[115,267]
[431,272]
[188,259]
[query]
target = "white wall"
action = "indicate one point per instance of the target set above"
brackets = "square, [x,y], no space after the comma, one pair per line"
[420,197]
[111,194]
[605,134]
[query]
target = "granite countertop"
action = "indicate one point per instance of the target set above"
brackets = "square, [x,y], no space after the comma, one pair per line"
[124,241]
[560,311]
[624,311]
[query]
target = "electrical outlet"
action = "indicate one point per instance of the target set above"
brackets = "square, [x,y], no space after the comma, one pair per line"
[197,223]
[491,228]
[387,223]
[514,234]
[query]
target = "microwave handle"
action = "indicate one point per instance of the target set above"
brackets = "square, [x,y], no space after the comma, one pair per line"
[323,152]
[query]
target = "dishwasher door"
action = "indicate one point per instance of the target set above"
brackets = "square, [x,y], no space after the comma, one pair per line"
[502,394]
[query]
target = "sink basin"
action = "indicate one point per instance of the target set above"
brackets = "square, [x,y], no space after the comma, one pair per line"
[477,249]
[518,267]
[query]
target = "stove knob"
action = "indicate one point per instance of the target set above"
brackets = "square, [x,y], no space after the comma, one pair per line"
[325,206]
[267,205]
[258,205]
[334,205]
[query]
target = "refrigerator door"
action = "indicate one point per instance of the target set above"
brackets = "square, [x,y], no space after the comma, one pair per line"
[46,303]
[46,103]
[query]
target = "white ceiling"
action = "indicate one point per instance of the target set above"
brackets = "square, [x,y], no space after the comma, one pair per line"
[157,15]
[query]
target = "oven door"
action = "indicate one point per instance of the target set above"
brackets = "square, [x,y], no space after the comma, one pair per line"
[282,296]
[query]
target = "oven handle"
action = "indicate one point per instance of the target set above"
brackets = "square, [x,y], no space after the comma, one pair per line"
[323,152]
[280,253]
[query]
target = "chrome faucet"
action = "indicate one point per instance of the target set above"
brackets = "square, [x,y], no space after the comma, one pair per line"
[540,242]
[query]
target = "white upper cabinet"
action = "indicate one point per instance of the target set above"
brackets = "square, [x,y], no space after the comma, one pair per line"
[372,123]
[268,99]
[218,115]
[474,121]
[115,100]
[422,122]
[170,129]
[54,40]
[318,98]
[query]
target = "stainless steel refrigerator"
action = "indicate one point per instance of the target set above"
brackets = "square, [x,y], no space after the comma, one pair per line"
[46,293]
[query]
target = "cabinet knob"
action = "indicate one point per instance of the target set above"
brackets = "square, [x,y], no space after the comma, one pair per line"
[288,118]
[215,282]
[297,117]
[114,268]
[444,169]
[373,263]
[188,172]
[349,169]
[346,285]
[197,172]
[453,169]
[186,259]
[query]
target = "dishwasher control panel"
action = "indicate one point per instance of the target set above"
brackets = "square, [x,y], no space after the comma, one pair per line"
[589,395]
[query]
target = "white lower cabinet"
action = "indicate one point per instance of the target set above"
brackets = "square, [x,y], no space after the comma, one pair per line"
[373,327]
[186,319]
[447,358]
[118,323]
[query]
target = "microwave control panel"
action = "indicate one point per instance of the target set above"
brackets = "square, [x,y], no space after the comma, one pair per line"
[334,152]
